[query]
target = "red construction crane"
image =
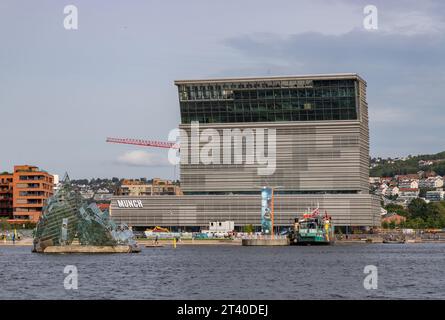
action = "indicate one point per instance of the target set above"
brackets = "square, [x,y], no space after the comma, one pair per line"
[145,143]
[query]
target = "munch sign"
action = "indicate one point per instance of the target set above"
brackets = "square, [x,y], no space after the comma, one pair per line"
[130,204]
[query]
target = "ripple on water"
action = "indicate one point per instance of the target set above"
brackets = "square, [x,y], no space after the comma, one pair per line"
[229,272]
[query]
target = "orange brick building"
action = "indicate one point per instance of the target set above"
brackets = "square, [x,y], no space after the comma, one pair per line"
[5,195]
[390,217]
[28,187]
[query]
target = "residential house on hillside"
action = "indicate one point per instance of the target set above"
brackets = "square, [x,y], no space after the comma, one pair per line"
[435,195]
[409,184]
[423,163]
[431,182]
[392,191]
[374,180]
[408,194]
[411,176]
[386,180]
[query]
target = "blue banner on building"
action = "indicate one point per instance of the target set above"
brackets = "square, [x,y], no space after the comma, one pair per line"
[266,210]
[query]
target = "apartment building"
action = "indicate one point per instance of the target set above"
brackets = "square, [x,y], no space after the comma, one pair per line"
[165,187]
[6,195]
[157,187]
[25,192]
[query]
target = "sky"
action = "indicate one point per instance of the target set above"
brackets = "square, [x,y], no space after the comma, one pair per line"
[62,92]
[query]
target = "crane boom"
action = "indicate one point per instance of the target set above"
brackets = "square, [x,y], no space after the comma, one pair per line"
[145,143]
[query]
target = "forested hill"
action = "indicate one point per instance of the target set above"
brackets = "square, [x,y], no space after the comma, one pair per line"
[392,167]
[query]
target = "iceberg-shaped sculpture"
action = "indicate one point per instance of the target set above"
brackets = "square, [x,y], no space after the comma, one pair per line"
[67,216]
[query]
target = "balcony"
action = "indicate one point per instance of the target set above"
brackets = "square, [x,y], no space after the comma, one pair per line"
[37,194]
[29,186]
[31,178]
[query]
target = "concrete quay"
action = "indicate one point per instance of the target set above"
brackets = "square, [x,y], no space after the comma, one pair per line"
[265,242]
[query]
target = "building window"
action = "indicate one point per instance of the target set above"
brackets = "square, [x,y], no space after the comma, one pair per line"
[270,101]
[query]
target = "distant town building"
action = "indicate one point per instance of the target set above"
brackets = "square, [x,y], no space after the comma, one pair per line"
[435,195]
[23,193]
[374,180]
[383,188]
[408,194]
[423,163]
[103,195]
[392,191]
[57,183]
[87,194]
[412,176]
[393,217]
[386,180]
[409,184]
[431,182]
[134,188]
[157,187]
[429,174]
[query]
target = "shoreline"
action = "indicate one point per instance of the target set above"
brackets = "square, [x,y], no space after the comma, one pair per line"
[220,242]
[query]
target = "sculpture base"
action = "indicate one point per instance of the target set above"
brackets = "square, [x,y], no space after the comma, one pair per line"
[90,249]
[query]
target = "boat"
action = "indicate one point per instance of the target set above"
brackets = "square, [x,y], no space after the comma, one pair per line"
[312,229]
[394,239]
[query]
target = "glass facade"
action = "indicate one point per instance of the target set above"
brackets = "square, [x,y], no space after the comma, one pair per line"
[268,101]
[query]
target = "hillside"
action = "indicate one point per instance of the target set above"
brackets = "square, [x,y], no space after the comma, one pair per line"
[390,168]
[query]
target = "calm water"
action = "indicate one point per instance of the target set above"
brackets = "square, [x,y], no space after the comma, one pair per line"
[229,272]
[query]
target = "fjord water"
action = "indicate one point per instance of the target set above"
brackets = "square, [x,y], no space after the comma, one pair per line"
[411,271]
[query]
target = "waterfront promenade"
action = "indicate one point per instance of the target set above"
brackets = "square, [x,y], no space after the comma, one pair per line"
[351,239]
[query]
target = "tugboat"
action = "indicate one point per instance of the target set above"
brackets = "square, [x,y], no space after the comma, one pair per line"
[312,229]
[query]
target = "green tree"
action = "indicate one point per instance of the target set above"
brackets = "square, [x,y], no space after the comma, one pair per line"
[432,223]
[416,223]
[418,208]
[4,225]
[249,228]
[400,210]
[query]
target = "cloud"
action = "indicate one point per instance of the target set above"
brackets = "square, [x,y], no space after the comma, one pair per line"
[141,158]
[358,49]
[404,74]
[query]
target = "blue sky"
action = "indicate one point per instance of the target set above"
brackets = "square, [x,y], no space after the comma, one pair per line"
[63,92]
